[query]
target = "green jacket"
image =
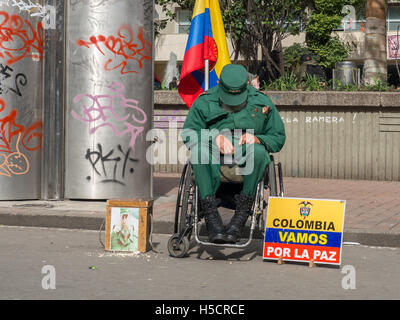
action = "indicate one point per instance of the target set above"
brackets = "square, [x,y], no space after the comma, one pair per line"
[206,113]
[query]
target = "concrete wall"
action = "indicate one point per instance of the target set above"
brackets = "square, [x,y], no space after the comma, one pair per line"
[343,135]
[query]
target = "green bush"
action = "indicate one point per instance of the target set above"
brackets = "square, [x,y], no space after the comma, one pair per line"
[312,83]
[292,55]
[331,52]
[285,83]
[326,17]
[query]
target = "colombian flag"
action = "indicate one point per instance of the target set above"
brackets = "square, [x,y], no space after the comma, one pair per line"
[207,40]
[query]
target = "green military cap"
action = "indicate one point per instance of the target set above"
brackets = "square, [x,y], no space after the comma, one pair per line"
[232,87]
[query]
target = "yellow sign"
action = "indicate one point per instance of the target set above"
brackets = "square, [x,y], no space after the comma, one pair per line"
[304,229]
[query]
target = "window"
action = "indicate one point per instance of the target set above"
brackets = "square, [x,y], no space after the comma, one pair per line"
[353,22]
[183,19]
[352,25]
[393,19]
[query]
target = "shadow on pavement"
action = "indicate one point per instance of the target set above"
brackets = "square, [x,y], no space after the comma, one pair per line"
[165,186]
[251,252]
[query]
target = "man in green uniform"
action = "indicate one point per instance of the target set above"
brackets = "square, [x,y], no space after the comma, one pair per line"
[234,119]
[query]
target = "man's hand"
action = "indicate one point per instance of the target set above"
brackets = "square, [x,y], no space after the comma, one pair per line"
[248,138]
[224,144]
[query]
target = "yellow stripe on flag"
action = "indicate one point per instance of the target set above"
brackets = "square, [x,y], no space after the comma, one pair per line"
[219,36]
[200,7]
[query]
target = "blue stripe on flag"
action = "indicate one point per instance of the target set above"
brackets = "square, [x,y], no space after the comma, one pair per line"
[199,76]
[197,29]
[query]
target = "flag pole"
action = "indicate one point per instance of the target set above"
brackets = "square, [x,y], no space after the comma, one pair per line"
[207,60]
[207,74]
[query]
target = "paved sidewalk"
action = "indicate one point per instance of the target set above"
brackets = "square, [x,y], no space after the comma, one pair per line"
[372,208]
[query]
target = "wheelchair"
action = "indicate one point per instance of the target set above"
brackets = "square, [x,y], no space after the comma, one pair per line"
[188,215]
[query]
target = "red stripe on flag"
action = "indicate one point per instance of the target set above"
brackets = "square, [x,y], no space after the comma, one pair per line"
[189,88]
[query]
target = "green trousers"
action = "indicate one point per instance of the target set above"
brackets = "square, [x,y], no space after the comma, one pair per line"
[205,160]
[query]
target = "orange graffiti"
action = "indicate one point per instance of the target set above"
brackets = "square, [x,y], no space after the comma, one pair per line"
[19,39]
[9,128]
[123,46]
[15,163]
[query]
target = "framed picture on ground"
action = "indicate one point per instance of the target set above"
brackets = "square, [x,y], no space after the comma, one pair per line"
[128,225]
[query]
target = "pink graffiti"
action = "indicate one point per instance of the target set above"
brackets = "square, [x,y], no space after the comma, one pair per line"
[122,46]
[102,111]
[19,39]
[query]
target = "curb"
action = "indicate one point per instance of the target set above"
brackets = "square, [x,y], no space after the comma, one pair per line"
[81,221]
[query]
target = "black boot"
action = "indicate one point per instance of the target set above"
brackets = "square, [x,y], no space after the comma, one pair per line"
[214,225]
[244,204]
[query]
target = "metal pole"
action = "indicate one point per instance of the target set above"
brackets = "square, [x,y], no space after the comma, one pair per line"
[53,113]
[207,61]
[207,74]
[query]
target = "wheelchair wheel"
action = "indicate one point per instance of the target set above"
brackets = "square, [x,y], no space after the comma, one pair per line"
[178,249]
[183,203]
[271,179]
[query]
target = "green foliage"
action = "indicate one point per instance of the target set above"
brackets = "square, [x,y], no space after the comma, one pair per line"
[313,83]
[321,26]
[285,83]
[234,15]
[339,86]
[334,7]
[293,54]
[379,85]
[330,7]
[289,83]
[332,51]
[262,24]
[325,18]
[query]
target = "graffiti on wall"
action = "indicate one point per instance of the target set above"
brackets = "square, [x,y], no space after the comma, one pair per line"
[103,111]
[9,81]
[109,59]
[122,49]
[13,137]
[35,9]
[112,166]
[19,39]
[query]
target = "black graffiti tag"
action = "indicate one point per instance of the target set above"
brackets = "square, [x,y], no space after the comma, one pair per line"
[17,82]
[112,168]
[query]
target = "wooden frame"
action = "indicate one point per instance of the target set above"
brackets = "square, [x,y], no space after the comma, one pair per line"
[144,209]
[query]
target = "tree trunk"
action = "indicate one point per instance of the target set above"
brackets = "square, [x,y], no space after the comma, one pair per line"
[375,62]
